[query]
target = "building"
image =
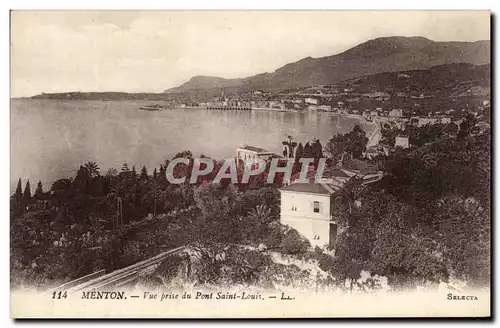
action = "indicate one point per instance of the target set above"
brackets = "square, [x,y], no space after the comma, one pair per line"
[422,121]
[376,96]
[445,120]
[250,154]
[326,108]
[372,152]
[312,208]
[396,113]
[402,141]
[312,101]
[307,207]
[373,113]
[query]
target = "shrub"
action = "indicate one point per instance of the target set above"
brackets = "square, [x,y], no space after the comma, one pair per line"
[294,243]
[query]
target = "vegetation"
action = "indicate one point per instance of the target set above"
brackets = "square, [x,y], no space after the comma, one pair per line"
[347,146]
[95,221]
[425,222]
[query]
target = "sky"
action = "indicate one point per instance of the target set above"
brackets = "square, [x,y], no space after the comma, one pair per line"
[150,51]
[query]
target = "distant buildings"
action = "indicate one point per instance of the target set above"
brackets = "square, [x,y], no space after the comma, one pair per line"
[325,108]
[311,101]
[402,141]
[396,113]
[422,121]
[382,96]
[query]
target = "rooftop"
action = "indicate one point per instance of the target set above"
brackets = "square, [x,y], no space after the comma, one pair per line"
[359,165]
[311,188]
[255,149]
[334,173]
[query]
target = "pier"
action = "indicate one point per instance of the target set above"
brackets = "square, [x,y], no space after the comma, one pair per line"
[228,108]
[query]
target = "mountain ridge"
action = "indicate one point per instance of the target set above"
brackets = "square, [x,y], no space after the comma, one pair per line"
[384,54]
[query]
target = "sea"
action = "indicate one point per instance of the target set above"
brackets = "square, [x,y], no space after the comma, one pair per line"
[50,139]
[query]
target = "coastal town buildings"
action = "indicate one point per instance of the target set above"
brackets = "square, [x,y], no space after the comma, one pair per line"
[402,141]
[312,101]
[396,113]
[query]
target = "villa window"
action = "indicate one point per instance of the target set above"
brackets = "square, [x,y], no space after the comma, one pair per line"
[316,207]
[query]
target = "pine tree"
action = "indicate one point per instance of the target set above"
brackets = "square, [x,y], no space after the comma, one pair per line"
[39,190]
[19,190]
[125,167]
[144,173]
[162,170]
[299,151]
[306,153]
[155,173]
[27,191]
[317,149]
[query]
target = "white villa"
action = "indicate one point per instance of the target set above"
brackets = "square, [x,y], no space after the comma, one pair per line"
[250,154]
[310,208]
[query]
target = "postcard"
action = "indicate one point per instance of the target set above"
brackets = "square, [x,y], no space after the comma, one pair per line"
[250,164]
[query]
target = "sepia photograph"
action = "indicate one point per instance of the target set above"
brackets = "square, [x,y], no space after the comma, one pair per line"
[250,164]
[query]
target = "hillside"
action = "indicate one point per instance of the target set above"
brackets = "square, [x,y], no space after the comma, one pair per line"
[449,80]
[388,54]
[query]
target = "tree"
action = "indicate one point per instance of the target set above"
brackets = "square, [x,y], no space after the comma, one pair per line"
[27,191]
[349,145]
[306,153]
[300,151]
[289,147]
[82,179]
[467,126]
[358,141]
[134,173]
[316,149]
[18,194]
[384,236]
[39,190]
[112,172]
[92,168]
[217,204]
[125,168]
[464,236]
[144,174]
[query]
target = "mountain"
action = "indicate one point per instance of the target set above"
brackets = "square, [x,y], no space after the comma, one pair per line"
[387,54]
[199,83]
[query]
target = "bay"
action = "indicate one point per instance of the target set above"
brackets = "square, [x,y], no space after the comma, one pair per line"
[50,139]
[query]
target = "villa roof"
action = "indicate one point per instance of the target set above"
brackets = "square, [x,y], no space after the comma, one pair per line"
[255,149]
[359,165]
[311,188]
[324,187]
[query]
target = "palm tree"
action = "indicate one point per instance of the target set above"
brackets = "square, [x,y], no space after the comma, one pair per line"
[289,147]
[92,168]
[261,213]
